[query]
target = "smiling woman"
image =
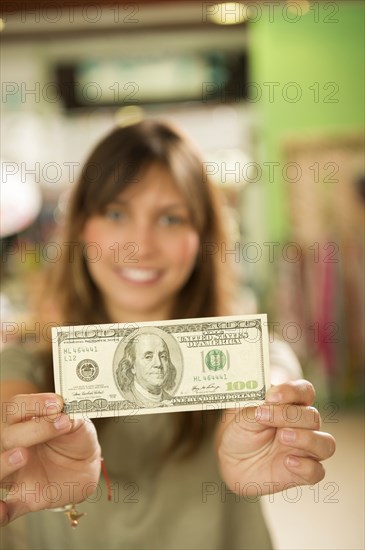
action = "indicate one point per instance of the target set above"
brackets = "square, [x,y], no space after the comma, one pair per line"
[142,200]
[149,194]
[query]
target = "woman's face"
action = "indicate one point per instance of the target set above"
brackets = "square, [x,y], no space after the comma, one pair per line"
[142,250]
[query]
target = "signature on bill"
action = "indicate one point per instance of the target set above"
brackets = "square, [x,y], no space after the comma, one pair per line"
[211,388]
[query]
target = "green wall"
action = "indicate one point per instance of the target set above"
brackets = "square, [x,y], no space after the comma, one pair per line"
[323,55]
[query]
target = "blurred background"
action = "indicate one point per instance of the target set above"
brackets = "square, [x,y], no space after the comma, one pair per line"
[273,95]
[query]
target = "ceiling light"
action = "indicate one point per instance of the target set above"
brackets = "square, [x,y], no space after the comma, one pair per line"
[300,7]
[227,13]
[128,115]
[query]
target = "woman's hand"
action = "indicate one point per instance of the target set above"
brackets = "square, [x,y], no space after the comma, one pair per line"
[270,448]
[46,460]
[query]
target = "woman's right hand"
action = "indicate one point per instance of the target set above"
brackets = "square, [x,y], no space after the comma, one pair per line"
[46,460]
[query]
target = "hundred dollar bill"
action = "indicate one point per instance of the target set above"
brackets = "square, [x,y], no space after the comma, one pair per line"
[166,366]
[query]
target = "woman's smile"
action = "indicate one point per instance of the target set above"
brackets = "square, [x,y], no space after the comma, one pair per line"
[139,275]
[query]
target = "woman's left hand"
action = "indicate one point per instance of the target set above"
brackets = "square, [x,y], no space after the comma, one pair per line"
[269,448]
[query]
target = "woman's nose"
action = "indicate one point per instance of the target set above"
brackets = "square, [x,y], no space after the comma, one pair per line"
[143,238]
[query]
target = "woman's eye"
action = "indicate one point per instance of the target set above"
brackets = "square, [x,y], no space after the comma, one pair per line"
[170,219]
[114,214]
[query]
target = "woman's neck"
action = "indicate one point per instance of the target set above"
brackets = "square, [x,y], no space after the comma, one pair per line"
[118,316]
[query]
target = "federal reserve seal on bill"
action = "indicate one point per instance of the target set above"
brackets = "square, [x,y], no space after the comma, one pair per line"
[87,370]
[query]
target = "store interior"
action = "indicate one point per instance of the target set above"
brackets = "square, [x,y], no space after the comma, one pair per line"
[273,95]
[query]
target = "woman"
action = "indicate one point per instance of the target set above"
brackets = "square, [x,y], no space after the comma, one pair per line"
[143,202]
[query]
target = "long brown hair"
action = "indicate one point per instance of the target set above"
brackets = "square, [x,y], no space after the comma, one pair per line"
[116,163]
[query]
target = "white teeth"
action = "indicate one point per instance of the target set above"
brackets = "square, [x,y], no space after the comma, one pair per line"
[139,275]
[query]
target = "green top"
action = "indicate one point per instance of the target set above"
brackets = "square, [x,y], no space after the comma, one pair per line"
[157,504]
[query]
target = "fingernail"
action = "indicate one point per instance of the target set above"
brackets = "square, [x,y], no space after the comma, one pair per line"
[52,408]
[289,436]
[273,397]
[293,461]
[52,411]
[52,405]
[16,457]
[263,413]
[62,422]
